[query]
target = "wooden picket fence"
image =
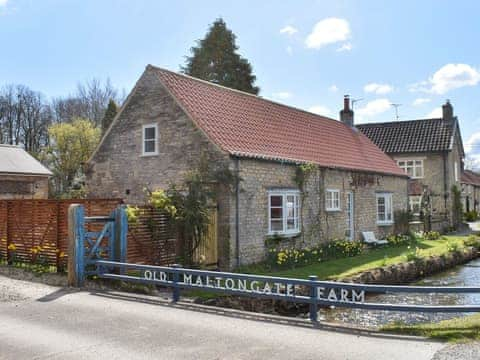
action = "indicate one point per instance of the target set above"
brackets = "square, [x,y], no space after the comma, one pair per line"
[29,224]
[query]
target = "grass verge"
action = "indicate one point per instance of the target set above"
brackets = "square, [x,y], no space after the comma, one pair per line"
[374,258]
[454,330]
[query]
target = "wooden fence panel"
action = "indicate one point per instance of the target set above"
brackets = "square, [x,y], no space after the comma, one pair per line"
[32,223]
[152,240]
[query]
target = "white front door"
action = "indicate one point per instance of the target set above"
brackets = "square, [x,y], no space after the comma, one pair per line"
[350,216]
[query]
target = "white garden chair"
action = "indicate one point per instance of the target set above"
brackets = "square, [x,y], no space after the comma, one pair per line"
[369,238]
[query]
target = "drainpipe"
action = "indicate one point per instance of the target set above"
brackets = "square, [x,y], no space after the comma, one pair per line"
[445,185]
[237,208]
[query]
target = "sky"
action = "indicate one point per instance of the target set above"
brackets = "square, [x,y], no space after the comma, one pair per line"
[306,54]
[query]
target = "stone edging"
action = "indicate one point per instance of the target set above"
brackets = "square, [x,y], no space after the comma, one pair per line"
[408,272]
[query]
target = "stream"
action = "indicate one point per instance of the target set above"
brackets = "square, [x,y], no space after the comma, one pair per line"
[464,275]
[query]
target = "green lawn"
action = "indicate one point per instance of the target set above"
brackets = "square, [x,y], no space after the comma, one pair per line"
[344,267]
[341,268]
[454,330]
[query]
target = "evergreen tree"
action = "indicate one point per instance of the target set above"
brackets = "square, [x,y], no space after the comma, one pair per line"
[215,59]
[109,115]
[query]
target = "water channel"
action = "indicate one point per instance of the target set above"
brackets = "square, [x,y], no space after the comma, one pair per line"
[464,275]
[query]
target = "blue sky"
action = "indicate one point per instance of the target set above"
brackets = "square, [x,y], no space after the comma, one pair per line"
[304,53]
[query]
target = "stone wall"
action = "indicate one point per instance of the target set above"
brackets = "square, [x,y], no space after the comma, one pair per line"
[318,225]
[23,187]
[472,193]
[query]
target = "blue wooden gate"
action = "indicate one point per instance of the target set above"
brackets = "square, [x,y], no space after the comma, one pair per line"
[108,261]
[94,238]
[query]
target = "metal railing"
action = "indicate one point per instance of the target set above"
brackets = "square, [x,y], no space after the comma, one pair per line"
[313,292]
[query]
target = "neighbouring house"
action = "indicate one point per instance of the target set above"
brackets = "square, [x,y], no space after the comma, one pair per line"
[431,152]
[21,175]
[471,190]
[169,121]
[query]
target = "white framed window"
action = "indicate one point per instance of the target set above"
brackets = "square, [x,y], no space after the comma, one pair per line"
[415,204]
[332,200]
[384,209]
[413,168]
[284,212]
[455,170]
[150,139]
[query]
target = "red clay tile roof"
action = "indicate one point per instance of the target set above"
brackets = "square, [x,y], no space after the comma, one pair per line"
[470,177]
[249,126]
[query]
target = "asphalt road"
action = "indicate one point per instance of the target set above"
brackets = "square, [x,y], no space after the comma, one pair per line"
[43,322]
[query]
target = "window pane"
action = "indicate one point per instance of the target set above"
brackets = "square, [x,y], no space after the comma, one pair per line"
[291,224]
[276,213]
[149,146]
[275,200]
[149,133]
[277,225]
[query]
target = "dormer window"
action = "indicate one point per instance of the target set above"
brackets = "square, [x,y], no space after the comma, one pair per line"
[150,140]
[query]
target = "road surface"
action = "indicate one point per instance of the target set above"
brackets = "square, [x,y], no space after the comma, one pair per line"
[44,322]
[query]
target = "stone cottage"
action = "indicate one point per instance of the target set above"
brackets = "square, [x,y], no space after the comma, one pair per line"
[431,152]
[21,175]
[471,190]
[170,120]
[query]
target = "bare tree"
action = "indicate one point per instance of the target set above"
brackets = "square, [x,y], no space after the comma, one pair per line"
[24,117]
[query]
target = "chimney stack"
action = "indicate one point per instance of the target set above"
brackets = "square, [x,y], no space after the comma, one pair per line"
[447,111]
[346,114]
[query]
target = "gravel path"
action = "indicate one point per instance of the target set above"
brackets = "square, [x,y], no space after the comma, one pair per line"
[469,351]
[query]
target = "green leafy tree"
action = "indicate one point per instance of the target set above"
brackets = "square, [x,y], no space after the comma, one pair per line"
[215,59]
[109,115]
[71,144]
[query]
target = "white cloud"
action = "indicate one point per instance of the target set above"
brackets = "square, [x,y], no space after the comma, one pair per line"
[472,150]
[3,3]
[435,113]
[379,89]
[420,101]
[282,95]
[373,108]
[472,142]
[448,77]
[288,30]
[289,50]
[328,31]
[345,47]
[333,88]
[320,110]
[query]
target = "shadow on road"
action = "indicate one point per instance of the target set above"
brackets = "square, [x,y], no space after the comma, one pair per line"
[56,294]
[232,313]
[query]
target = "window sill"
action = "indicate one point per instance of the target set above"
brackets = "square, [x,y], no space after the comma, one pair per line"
[390,223]
[284,235]
[149,155]
[333,210]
